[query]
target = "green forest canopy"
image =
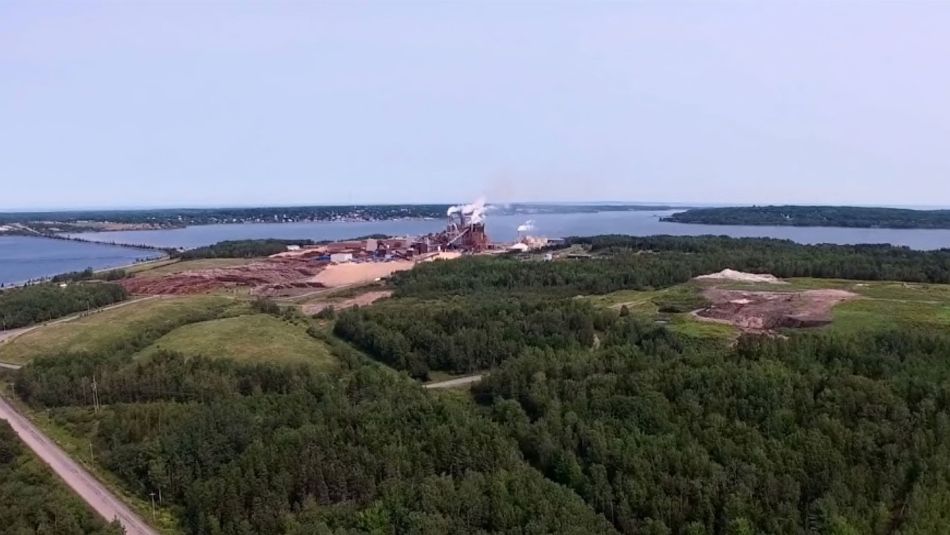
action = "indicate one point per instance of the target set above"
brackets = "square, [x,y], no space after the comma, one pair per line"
[20,307]
[34,501]
[816,216]
[640,431]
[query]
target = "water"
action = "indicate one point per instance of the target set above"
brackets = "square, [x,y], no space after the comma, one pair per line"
[23,258]
[197,236]
[503,228]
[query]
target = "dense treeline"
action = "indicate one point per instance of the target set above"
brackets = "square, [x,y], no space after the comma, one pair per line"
[92,220]
[89,274]
[20,307]
[237,449]
[253,248]
[33,501]
[462,335]
[240,249]
[815,216]
[627,262]
[810,435]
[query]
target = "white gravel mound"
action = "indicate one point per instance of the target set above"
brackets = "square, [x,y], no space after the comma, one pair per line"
[739,276]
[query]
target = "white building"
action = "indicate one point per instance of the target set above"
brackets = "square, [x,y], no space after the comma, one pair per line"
[340,258]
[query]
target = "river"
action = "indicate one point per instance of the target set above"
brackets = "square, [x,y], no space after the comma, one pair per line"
[503,228]
[23,258]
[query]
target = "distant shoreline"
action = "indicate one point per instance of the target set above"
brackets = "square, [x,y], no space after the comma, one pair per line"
[161,255]
[816,216]
[72,222]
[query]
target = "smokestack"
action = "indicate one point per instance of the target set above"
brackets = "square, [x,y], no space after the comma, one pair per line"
[473,213]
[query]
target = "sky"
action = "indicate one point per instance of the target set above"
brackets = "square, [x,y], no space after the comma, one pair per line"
[141,104]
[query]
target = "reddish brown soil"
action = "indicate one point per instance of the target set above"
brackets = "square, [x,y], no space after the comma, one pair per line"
[766,311]
[271,273]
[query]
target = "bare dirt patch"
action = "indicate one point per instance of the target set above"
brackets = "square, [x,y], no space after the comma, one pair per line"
[758,311]
[732,275]
[360,300]
[265,274]
[336,275]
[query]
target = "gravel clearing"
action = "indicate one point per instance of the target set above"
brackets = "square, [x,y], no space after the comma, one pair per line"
[740,276]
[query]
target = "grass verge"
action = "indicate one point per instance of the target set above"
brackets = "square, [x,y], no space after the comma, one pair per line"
[248,338]
[112,330]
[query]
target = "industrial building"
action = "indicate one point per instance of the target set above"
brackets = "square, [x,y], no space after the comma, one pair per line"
[464,232]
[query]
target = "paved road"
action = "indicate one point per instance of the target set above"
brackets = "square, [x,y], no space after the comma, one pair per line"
[82,482]
[461,381]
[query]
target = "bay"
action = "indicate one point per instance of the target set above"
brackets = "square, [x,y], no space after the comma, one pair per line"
[23,258]
[503,228]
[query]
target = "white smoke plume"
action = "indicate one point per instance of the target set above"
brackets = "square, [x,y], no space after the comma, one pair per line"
[527,226]
[474,212]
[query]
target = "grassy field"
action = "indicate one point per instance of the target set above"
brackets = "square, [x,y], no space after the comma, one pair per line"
[113,329]
[249,338]
[668,306]
[889,306]
[883,305]
[172,267]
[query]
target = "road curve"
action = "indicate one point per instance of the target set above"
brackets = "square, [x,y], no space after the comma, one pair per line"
[461,381]
[82,482]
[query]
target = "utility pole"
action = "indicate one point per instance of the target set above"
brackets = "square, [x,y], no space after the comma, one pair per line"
[152,494]
[95,395]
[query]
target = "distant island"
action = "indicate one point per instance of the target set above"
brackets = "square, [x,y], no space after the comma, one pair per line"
[58,222]
[816,216]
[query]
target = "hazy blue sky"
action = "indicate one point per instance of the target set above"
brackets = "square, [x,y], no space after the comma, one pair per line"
[178,103]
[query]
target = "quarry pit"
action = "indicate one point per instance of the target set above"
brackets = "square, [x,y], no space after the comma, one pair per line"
[765,311]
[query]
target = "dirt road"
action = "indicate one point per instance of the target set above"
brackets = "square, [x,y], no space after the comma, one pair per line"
[361,300]
[10,334]
[82,482]
[461,381]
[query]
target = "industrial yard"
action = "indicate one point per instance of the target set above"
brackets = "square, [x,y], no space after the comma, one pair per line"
[303,269]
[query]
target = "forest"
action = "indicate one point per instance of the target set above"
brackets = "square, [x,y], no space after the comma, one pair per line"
[252,248]
[468,334]
[810,435]
[36,303]
[640,263]
[34,502]
[815,216]
[588,420]
[240,249]
[90,274]
[240,449]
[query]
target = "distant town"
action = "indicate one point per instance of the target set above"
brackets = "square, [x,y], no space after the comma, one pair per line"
[166,218]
